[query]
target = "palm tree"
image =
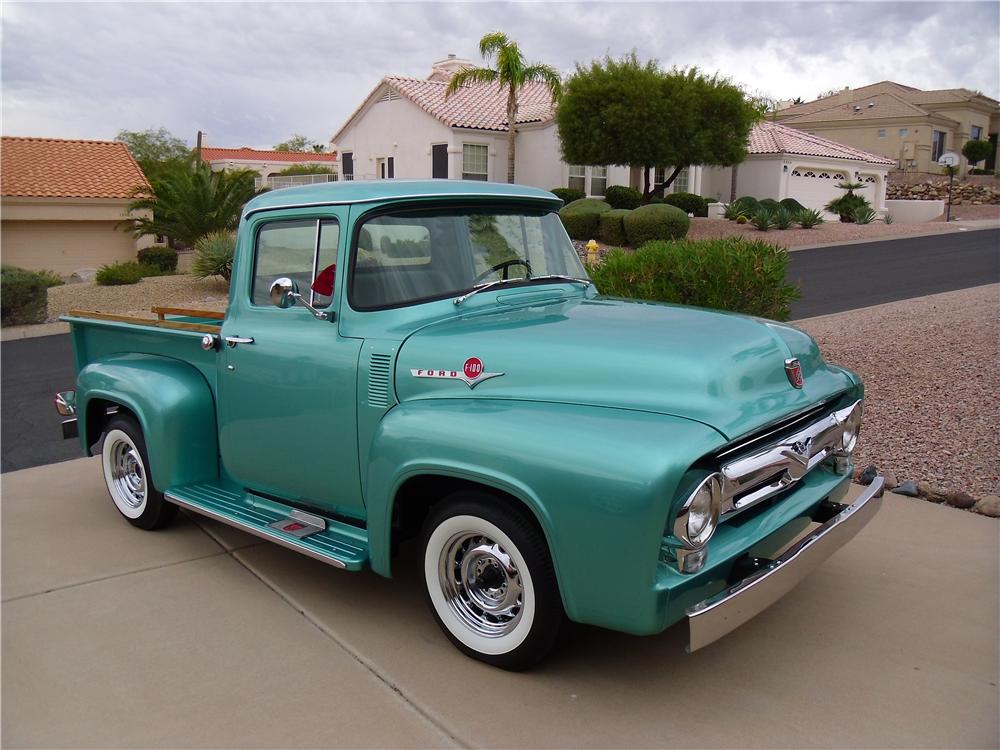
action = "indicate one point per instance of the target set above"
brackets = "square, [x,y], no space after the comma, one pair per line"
[511,74]
[189,202]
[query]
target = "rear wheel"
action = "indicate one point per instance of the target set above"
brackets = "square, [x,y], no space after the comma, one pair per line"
[489,581]
[126,473]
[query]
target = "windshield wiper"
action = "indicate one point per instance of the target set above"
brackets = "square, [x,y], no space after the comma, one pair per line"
[547,277]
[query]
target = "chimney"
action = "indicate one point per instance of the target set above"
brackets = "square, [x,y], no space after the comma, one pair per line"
[443,70]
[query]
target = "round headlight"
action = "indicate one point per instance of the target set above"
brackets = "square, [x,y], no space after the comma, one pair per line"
[699,515]
[852,425]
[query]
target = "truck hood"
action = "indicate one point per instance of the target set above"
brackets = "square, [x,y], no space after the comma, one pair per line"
[721,369]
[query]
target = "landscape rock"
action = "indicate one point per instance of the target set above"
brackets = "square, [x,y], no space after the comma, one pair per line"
[989,506]
[83,274]
[959,499]
[868,475]
[908,488]
[934,494]
[890,480]
[962,192]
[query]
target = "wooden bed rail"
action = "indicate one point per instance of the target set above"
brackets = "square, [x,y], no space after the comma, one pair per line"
[209,314]
[175,325]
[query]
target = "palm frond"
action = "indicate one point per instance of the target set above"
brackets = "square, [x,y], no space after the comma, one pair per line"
[492,43]
[546,74]
[470,75]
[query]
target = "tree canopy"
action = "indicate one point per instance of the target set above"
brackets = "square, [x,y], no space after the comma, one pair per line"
[976,151]
[299,143]
[511,74]
[154,150]
[621,111]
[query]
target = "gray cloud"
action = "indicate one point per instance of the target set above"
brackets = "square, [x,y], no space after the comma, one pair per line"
[254,74]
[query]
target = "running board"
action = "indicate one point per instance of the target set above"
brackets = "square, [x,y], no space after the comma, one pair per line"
[322,539]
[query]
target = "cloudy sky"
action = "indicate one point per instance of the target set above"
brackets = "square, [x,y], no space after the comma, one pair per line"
[253,74]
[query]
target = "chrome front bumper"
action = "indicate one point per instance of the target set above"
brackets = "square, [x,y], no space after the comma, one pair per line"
[713,618]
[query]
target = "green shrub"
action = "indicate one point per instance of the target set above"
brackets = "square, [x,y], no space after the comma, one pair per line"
[655,222]
[213,255]
[612,229]
[619,196]
[847,206]
[163,258]
[977,150]
[657,199]
[763,218]
[119,274]
[568,195]
[865,215]
[24,295]
[888,219]
[587,204]
[983,171]
[783,218]
[792,205]
[769,203]
[741,219]
[747,205]
[732,211]
[734,273]
[808,218]
[689,203]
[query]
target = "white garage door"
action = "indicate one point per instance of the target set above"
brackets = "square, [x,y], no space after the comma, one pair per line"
[814,187]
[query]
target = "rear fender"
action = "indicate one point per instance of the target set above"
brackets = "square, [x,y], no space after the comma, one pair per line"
[174,405]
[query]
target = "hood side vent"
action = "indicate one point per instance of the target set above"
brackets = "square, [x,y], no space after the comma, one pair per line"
[378,380]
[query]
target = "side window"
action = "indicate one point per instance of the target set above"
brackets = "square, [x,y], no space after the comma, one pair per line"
[302,251]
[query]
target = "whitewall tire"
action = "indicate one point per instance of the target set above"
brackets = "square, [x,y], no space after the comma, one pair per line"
[125,464]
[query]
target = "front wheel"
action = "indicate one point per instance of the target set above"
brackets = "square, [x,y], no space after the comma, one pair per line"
[490,582]
[126,473]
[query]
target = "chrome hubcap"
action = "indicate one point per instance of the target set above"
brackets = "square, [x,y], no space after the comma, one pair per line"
[481,584]
[127,474]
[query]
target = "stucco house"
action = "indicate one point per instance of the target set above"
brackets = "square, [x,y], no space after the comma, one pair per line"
[406,128]
[61,202]
[783,162]
[908,125]
[269,163]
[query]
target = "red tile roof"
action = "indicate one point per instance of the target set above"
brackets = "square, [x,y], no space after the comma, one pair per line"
[772,138]
[55,168]
[245,153]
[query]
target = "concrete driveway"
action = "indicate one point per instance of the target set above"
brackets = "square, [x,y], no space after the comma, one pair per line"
[200,636]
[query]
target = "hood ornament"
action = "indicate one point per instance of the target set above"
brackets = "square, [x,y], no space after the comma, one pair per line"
[473,373]
[793,369]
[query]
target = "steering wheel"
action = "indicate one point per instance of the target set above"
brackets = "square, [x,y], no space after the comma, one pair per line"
[505,267]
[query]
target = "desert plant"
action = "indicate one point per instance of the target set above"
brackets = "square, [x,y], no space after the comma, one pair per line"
[655,222]
[163,258]
[769,203]
[568,194]
[888,219]
[689,203]
[735,273]
[742,219]
[747,204]
[783,218]
[213,255]
[611,227]
[732,211]
[762,219]
[808,218]
[119,274]
[847,205]
[23,295]
[619,196]
[865,215]
[792,205]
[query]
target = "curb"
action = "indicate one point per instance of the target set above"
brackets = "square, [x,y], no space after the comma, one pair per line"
[14,333]
[948,230]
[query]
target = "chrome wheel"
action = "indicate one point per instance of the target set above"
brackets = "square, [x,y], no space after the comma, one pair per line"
[127,474]
[481,584]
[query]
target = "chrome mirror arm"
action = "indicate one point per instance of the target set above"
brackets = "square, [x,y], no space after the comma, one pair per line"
[318,314]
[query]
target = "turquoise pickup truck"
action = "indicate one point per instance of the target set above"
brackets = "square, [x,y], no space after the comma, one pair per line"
[429,360]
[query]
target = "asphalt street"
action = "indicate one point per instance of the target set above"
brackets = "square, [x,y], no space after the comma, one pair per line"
[832,279]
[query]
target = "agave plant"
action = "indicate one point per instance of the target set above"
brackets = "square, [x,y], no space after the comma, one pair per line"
[763,219]
[887,219]
[865,215]
[809,218]
[732,211]
[213,255]
[783,218]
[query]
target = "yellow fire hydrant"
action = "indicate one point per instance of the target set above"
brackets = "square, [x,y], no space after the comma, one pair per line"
[592,251]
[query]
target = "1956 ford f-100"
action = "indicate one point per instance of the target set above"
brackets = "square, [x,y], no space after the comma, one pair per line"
[429,359]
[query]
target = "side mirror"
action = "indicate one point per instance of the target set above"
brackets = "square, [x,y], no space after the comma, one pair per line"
[282,291]
[285,293]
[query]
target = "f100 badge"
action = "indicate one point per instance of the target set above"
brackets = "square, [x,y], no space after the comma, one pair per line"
[473,373]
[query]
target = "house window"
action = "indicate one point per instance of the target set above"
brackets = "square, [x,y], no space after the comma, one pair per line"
[975,133]
[347,160]
[659,175]
[475,159]
[681,182]
[937,144]
[598,180]
[577,178]
[881,132]
[903,132]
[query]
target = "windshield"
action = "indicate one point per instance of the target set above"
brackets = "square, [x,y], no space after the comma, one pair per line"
[409,256]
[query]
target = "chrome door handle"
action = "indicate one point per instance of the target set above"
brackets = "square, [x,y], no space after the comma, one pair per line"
[234,340]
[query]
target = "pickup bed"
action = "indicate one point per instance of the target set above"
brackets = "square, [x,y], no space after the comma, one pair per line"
[429,360]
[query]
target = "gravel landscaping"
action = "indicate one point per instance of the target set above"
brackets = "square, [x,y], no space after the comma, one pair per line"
[827,232]
[136,299]
[932,383]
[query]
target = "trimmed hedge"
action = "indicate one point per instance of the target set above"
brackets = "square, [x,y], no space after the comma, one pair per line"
[568,195]
[119,274]
[769,203]
[612,229]
[163,258]
[24,295]
[734,273]
[582,217]
[747,205]
[689,203]
[655,221]
[619,196]
[792,205]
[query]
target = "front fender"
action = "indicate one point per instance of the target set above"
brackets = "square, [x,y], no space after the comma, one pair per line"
[174,405]
[598,480]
